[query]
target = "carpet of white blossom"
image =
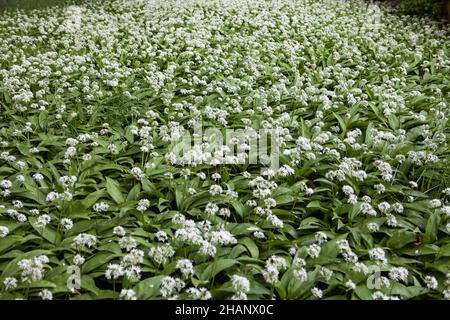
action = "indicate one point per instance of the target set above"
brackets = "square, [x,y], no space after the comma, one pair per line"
[94,206]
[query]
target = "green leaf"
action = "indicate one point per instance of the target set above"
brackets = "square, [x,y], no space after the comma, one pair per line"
[251,247]
[363,292]
[134,193]
[96,261]
[37,284]
[238,207]
[444,251]
[341,122]
[407,292]
[257,288]
[401,238]
[12,240]
[9,241]
[432,228]
[217,267]
[113,189]
[88,283]
[47,232]
[148,288]
[93,198]
[422,250]
[354,211]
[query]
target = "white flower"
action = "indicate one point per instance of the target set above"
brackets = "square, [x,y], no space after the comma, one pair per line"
[161,253]
[143,205]
[46,294]
[127,243]
[17,204]
[21,217]
[431,282]
[38,177]
[138,173]
[435,203]
[201,175]
[413,184]
[67,181]
[52,196]
[114,271]
[378,295]
[446,294]
[224,212]
[199,294]
[161,236]
[215,189]
[185,266]
[216,176]
[326,273]
[348,190]
[32,269]
[380,188]
[119,230]
[276,222]
[211,208]
[78,260]
[67,223]
[4,231]
[100,207]
[378,255]
[398,207]
[384,207]
[284,171]
[10,283]
[391,220]
[446,210]
[317,292]
[70,152]
[300,274]
[361,267]
[5,184]
[207,248]
[239,296]
[43,220]
[313,250]
[240,284]
[398,274]
[128,294]
[350,285]
[321,237]
[298,262]
[373,227]
[270,274]
[259,235]
[170,285]
[133,273]
[84,239]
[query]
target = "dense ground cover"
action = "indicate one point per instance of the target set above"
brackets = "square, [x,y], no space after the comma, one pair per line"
[93,96]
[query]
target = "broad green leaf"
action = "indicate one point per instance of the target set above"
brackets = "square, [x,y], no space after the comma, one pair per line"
[113,189]
[251,247]
[432,227]
[149,287]
[400,238]
[217,267]
[98,260]
[93,198]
